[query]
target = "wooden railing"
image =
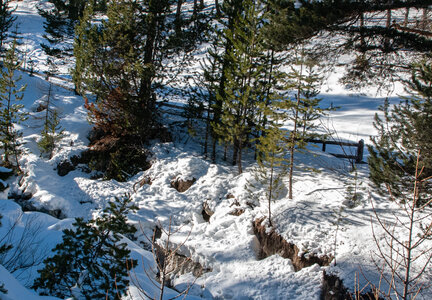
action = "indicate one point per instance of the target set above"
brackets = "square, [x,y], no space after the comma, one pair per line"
[358,157]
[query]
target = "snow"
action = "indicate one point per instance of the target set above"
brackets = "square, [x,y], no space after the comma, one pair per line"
[226,244]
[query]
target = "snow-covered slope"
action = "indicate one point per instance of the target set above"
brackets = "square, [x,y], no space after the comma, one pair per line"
[226,244]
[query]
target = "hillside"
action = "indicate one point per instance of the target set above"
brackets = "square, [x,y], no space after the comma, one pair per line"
[220,220]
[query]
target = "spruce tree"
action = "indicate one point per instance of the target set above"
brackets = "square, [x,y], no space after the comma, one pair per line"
[91,260]
[59,25]
[120,61]
[208,87]
[11,111]
[6,22]
[403,130]
[242,73]
[220,57]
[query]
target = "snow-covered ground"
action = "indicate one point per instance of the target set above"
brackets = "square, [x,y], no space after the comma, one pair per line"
[227,244]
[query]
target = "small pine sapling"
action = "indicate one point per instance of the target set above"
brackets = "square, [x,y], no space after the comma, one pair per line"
[340,219]
[52,132]
[11,111]
[272,164]
[304,79]
[402,130]
[91,260]
[353,190]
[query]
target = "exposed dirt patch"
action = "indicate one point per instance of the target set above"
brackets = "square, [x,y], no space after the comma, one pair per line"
[272,243]
[182,185]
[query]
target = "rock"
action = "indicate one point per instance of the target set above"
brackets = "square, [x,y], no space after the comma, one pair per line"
[145,180]
[3,185]
[5,173]
[178,263]
[237,212]
[206,212]
[182,185]
[26,196]
[64,168]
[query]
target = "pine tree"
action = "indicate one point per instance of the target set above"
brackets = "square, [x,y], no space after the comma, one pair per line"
[59,25]
[305,109]
[242,73]
[51,133]
[120,62]
[91,260]
[272,163]
[6,22]
[220,63]
[209,84]
[403,130]
[11,111]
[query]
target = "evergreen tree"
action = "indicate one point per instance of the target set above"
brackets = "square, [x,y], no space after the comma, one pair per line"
[272,163]
[403,130]
[51,133]
[220,63]
[304,80]
[59,24]
[208,87]
[242,73]
[118,61]
[6,22]
[91,260]
[11,111]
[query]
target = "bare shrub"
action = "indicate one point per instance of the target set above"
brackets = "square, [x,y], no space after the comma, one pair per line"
[25,237]
[163,254]
[403,256]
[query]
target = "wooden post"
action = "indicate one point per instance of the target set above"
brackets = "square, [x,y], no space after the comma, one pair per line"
[324,146]
[360,147]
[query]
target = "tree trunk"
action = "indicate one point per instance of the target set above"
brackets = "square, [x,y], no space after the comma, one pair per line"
[405,23]
[424,19]
[217,7]
[195,8]
[270,194]
[294,133]
[235,151]
[240,151]
[178,15]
